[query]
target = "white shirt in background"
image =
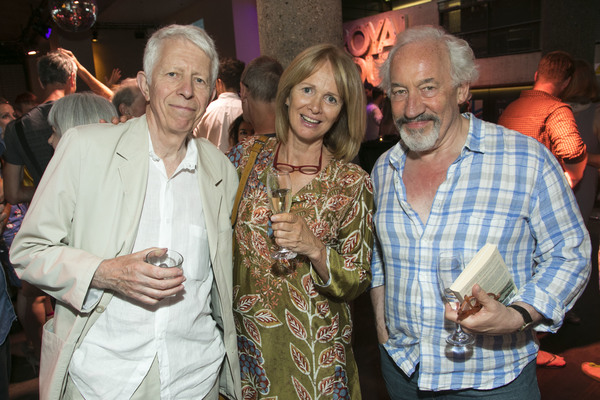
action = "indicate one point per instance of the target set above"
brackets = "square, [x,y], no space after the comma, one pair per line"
[219,115]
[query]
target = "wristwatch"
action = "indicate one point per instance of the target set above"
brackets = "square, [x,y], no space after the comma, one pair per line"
[527,320]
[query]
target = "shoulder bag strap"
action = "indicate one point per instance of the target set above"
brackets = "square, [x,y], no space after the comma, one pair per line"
[27,149]
[254,150]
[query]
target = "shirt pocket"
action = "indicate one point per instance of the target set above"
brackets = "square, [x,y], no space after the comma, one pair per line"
[501,230]
[198,263]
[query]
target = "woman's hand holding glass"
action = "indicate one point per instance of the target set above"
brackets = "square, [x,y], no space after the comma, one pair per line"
[292,232]
[279,191]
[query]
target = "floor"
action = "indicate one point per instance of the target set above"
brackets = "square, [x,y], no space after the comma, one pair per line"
[576,343]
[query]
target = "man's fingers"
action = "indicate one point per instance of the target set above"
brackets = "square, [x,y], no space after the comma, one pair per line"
[481,295]
[153,296]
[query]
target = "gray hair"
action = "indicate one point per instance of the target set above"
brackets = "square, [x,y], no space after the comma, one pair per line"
[193,34]
[55,67]
[462,60]
[79,109]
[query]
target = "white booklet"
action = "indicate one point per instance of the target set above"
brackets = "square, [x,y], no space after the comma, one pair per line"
[488,270]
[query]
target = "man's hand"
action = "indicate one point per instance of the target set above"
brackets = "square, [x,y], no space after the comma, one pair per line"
[494,318]
[138,280]
[378,300]
[116,120]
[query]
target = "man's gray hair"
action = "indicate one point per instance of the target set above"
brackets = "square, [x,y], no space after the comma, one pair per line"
[79,109]
[462,60]
[195,35]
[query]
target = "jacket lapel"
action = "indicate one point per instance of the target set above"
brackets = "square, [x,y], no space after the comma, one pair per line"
[211,195]
[133,166]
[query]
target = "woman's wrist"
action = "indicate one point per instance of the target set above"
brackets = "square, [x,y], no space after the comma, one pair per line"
[320,255]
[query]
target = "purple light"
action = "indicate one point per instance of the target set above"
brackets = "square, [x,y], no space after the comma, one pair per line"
[48,33]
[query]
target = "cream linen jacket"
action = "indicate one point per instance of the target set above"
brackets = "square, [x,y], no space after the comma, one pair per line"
[86,209]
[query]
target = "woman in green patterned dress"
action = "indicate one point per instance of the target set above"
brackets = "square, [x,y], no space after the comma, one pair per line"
[292,317]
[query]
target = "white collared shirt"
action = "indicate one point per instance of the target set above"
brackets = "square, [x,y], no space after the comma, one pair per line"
[217,119]
[119,348]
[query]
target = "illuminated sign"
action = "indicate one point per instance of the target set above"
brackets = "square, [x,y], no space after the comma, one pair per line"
[369,40]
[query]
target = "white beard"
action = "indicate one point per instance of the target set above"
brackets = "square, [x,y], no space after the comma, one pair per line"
[417,140]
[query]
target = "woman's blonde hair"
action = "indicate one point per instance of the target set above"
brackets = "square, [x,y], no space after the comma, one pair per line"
[345,136]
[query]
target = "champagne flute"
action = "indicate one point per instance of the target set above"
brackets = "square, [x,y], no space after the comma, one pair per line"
[279,190]
[449,267]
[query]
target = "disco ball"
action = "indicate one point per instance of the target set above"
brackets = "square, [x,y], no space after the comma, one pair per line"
[74,15]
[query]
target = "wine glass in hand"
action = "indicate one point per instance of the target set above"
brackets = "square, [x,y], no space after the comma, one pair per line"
[449,267]
[279,191]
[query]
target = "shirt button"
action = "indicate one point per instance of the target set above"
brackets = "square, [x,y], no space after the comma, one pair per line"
[100,309]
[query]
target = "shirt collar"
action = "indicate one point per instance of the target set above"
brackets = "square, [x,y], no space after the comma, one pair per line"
[190,160]
[476,135]
[229,95]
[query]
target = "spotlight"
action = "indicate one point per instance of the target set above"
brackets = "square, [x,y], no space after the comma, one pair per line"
[94,36]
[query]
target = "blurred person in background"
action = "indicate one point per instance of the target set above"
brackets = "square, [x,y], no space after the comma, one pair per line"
[8,277]
[540,114]
[78,109]
[7,114]
[374,115]
[11,215]
[129,99]
[221,112]
[239,130]
[24,102]
[582,95]
[258,90]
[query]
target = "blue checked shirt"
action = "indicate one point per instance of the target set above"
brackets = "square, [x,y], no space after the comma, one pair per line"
[507,189]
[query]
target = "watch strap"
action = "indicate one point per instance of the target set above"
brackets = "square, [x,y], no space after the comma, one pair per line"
[527,320]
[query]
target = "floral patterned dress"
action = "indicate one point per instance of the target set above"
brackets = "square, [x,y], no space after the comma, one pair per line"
[294,331]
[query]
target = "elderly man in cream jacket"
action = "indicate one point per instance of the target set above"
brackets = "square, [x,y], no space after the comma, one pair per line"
[125,329]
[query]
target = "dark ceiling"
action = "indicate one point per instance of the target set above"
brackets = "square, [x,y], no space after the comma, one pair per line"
[23,21]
